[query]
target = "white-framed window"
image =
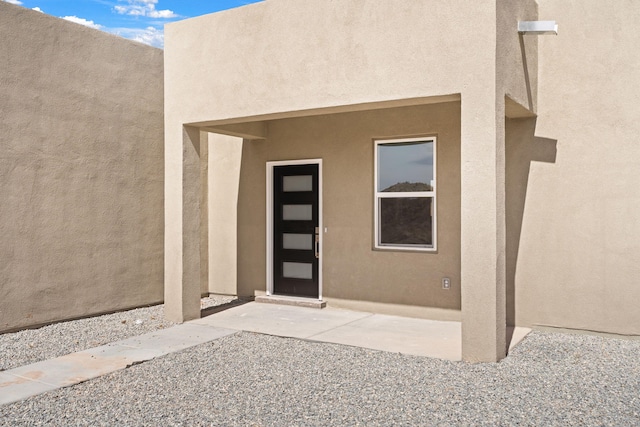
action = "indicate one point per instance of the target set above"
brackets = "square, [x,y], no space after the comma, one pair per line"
[405,194]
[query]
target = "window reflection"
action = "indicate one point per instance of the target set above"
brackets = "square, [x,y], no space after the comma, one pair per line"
[406,221]
[405,167]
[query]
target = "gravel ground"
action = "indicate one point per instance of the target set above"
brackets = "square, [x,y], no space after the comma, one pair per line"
[251,379]
[33,345]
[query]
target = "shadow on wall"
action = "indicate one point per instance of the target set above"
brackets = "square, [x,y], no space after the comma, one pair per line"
[527,76]
[522,148]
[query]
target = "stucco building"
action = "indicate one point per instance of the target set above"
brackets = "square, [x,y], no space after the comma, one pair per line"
[419,158]
[442,148]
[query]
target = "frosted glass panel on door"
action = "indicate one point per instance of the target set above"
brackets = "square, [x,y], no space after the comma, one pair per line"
[297,270]
[297,183]
[297,212]
[297,241]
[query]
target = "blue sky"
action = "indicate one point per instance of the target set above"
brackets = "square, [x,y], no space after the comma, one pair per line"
[140,20]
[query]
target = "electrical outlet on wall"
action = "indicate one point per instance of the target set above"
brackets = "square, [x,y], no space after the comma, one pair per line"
[446,283]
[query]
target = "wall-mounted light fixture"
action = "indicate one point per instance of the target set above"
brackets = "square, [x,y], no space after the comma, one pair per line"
[538,27]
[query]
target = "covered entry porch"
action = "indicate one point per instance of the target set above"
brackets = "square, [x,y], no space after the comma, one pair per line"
[223,243]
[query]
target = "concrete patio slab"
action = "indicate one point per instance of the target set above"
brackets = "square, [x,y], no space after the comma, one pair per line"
[281,320]
[418,337]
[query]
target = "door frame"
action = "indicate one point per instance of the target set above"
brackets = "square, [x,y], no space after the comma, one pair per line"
[269,192]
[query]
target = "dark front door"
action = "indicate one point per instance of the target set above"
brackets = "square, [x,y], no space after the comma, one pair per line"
[295,230]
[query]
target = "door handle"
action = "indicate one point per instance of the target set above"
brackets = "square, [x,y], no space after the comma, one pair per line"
[317,243]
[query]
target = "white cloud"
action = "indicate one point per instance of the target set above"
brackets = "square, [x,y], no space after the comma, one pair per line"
[150,35]
[162,14]
[143,8]
[83,21]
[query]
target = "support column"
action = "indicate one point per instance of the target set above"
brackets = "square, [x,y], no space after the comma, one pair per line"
[483,227]
[182,225]
[204,213]
[225,159]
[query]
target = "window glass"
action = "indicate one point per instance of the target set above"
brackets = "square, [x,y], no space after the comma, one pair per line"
[405,166]
[406,221]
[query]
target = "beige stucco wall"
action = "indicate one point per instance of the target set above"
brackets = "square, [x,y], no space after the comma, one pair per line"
[516,55]
[578,264]
[352,270]
[81,170]
[319,54]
